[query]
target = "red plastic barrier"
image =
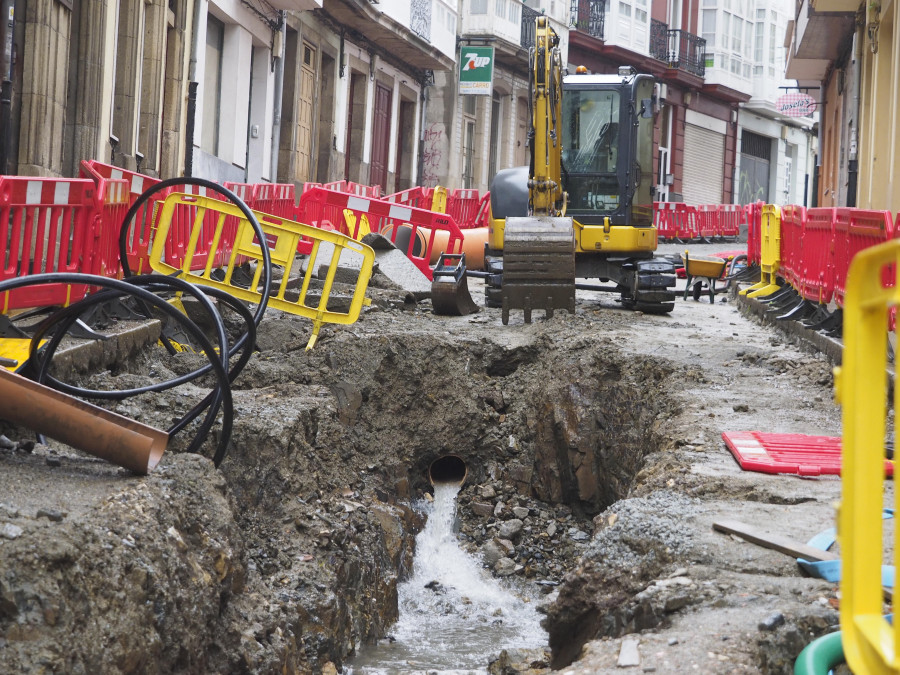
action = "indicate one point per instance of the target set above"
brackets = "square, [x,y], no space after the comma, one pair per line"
[277,199]
[708,220]
[855,230]
[464,206]
[483,215]
[792,220]
[392,220]
[840,253]
[754,232]
[664,219]
[816,273]
[730,220]
[373,191]
[686,226]
[140,238]
[111,200]
[46,225]
[868,228]
[418,197]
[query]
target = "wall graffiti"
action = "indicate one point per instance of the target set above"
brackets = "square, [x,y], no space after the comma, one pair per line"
[432,154]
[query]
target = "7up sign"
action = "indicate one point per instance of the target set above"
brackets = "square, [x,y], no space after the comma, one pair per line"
[476,69]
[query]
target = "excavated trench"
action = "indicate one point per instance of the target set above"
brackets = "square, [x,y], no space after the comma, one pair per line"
[289,557]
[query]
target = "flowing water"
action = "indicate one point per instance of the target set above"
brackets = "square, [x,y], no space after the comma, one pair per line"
[454,617]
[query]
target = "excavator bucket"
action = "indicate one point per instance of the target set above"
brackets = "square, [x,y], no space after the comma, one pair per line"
[449,288]
[538,265]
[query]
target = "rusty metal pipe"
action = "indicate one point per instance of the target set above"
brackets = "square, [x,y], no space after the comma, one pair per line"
[84,426]
[448,469]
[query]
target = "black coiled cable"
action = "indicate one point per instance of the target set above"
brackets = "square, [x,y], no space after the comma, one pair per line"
[144,289]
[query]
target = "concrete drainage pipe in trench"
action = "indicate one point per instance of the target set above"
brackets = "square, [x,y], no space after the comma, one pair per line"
[448,470]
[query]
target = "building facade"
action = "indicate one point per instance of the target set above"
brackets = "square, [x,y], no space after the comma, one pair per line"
[322,90]
[846,53]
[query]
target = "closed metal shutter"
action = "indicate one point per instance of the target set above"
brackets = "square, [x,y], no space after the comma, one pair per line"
[704,159]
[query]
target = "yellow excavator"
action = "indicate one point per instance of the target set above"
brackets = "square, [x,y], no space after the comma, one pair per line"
[584,207]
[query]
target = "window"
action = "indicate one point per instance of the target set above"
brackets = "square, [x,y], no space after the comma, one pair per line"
[760,39]
[513,12]
[737,27]
[709,28]
[640,15]
[748,38]
[624,9]
[212,84]
[500,7]
[772,44]
[479,6]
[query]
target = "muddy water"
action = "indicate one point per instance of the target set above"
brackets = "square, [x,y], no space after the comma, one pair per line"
[454,618]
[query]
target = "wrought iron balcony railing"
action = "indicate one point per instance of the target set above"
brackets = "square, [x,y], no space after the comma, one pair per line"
[678,48]
[528,17]
[589,16]
[659,40]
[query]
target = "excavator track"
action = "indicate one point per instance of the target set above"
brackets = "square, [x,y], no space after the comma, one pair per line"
[538,266]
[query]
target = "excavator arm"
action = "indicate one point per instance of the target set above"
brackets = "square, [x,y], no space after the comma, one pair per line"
[545,192]
[539,249]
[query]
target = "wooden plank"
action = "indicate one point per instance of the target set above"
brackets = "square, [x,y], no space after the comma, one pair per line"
[775,542]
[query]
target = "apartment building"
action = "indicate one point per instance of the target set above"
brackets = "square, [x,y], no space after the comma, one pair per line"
[230,90]
[846,53]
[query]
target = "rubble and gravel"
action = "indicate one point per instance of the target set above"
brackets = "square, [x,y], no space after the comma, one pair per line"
[596,469]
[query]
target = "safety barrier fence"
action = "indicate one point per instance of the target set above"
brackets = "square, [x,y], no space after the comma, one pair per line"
[677,220]
[141,232]
[414,231]
[419,197]
[812,249]
[282,235]
[46,225]
[111,199]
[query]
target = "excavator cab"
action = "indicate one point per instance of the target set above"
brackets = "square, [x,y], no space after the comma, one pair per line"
[607,149]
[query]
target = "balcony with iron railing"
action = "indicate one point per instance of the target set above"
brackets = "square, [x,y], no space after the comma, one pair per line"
[528,27]
[677,48]
[589,16]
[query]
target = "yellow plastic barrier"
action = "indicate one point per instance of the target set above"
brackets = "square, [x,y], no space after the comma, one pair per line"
[870,642]
[283,236]
[770,253]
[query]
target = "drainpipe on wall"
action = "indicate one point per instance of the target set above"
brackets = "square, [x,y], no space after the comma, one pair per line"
[6,63]
[278,48]
[853,141]
[192,94]
[420,165]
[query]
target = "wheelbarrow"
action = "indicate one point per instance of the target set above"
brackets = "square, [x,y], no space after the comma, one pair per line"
[702,270]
